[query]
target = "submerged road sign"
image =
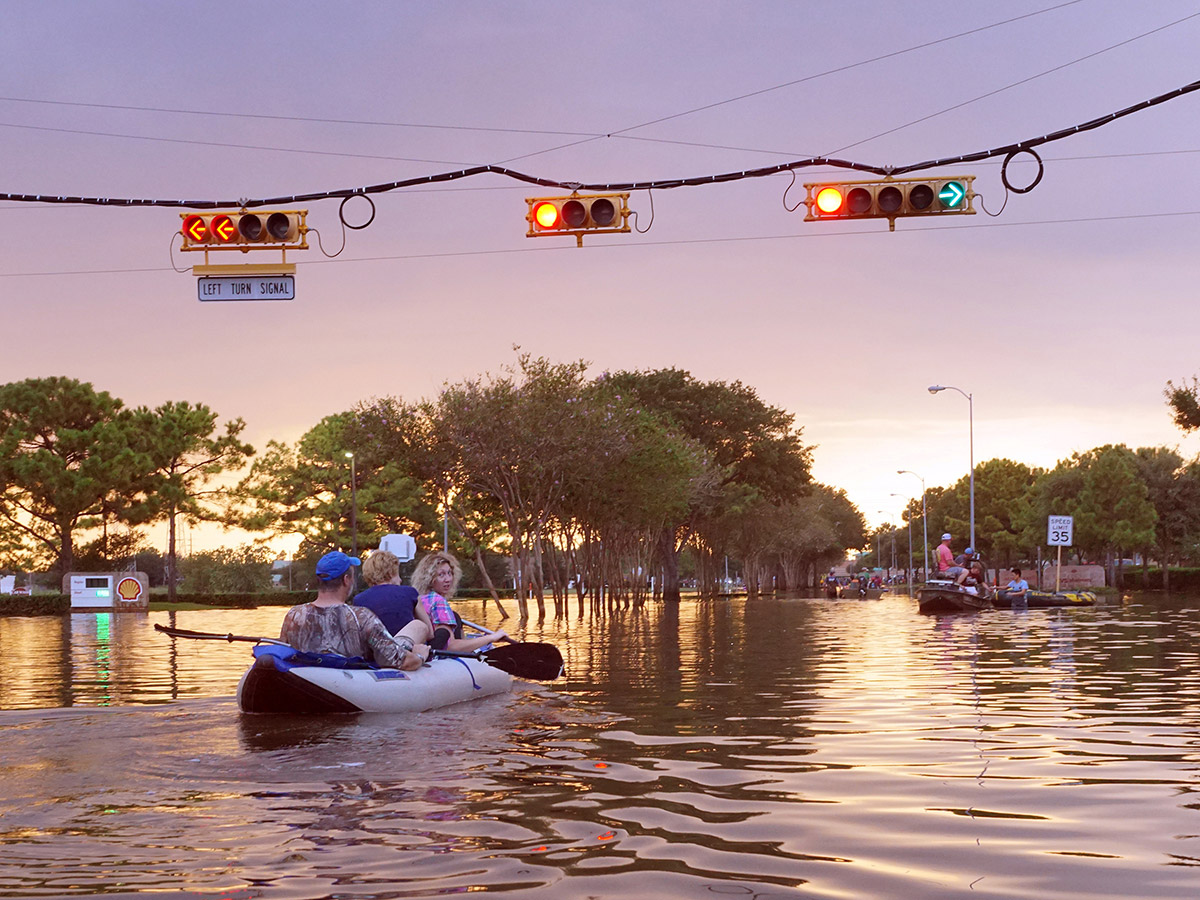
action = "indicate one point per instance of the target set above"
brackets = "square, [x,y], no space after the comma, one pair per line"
[247,287]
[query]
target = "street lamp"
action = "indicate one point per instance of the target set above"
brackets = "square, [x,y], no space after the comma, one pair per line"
[924,517]
[908,568]
[935,388]
[353,507]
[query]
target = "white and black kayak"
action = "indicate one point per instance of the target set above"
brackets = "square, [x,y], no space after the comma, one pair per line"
[279,681]
[284,680]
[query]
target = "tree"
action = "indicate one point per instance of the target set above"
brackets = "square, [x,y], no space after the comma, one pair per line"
[245,569]
[305,489]
[755,447]
[64,450]
[179,438]
[1102,489]
[1173,488]
[1002,489]
[1184,401]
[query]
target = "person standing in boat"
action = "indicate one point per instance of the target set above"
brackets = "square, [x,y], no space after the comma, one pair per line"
[436,579]
[395,603]
[329,625]
[948,566]
[1018,589]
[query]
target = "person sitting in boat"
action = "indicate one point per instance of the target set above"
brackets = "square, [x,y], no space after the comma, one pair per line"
[436,579]
[329,625]
[948,567]
[395,603]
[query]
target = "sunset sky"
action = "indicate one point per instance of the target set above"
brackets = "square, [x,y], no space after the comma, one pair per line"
[1064,315]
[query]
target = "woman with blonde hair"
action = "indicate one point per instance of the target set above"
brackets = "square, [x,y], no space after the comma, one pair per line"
[388,597]
[436,579]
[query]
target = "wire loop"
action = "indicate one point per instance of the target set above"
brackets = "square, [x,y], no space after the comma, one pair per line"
[1004,171]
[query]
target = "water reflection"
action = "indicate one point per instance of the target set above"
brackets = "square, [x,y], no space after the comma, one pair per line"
[780,748]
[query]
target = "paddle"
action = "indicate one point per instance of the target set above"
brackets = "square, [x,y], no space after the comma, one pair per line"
[209,636]
[536,662]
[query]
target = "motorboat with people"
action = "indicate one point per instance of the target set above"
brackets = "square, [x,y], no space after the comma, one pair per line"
[938,597]
[281,680]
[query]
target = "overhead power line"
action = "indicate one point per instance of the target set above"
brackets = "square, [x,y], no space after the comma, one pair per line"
[1006,151]
[532,131]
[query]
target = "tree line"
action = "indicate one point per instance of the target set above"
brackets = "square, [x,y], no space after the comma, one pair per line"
[1124,502]
[615,488]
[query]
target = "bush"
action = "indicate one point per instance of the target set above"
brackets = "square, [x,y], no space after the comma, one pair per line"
[1181,579]
[47,604]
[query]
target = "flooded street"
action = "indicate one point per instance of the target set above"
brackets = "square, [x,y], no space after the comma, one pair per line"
[768,749]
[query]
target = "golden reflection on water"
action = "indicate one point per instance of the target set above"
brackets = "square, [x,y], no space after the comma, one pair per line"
[775,748]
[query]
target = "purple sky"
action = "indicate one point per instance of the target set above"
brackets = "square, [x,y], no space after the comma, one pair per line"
[1064,316]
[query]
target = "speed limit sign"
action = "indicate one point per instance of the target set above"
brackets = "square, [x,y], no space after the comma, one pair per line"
[1060,531]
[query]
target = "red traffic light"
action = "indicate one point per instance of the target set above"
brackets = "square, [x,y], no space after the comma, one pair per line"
[829,201]
[223,229]
[195,228]
[545,215]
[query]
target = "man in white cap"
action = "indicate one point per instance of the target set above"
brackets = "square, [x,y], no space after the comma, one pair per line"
[947,568]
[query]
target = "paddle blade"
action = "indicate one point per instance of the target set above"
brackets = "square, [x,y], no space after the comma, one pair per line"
[532,661]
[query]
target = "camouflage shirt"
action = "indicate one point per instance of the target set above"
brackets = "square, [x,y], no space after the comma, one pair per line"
[342,629]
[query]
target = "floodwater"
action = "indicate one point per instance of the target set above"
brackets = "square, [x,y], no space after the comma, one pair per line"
[769,749]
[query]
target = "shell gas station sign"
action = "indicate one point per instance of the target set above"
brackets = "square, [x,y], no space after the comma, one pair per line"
[107,591]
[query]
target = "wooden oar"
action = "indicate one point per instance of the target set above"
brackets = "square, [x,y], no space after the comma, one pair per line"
[536,662]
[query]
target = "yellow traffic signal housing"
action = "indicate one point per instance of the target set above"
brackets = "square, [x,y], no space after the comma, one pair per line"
[578,215]
[890,198]
[264,229]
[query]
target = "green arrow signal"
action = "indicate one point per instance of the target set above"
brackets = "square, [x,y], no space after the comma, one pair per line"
[951,194]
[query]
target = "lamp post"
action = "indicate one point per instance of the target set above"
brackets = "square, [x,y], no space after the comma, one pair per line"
[908,568]
[353,507]
[935,388]
[924,518]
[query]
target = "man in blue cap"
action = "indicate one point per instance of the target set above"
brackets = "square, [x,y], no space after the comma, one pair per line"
[329,625]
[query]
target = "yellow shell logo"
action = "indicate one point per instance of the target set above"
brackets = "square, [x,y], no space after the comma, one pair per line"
[129,589]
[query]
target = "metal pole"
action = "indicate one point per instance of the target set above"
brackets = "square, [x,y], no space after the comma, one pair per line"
[971,420]
[353,507]
[924,517]
[446,526]
[910,559]
[935,388]
[925,531]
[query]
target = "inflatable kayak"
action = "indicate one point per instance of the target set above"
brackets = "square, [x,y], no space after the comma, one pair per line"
[283,681]
[1047,599]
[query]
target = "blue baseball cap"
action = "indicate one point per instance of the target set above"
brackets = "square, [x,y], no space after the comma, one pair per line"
[335,565]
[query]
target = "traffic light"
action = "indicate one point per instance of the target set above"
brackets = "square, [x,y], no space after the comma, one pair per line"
[578,215]
[890,198]
[264,229]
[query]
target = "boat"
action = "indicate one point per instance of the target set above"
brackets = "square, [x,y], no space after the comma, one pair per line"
[850,591]
[937,597]
[1047,599]
[283,681]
